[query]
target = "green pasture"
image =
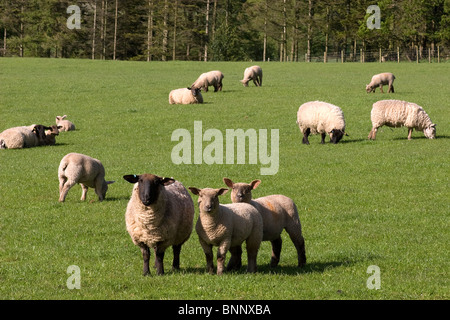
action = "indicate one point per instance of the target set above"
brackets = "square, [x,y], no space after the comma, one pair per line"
[362,203]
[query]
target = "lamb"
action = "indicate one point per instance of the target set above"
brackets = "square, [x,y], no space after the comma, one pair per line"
[160,214]
[88,172]
[211,78]
[397,113]
[252,73]
[227,226]
[185,96]
[278,212]
[64,125]
[379,80]
[25,137]
[320,117]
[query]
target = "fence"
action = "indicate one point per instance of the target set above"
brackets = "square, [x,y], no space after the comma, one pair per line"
[437,55]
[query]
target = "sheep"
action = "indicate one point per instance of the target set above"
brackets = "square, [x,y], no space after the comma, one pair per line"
[25,137]
[397,113]
[252,73]
[185,96]
[88,172]
[278,212]
[160,214]
[64,125]
[379,80]
[50,133]
[320,117]
[227,227]
[211,78]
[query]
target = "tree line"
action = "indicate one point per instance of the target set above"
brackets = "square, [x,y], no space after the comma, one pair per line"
[219,30]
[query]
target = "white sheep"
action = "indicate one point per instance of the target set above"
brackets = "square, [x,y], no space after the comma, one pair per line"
[397,113]
[185,96]
[321,117]
[211,78]
[227,227]
[252,73]
[278,213]
[379,80]
[160,214]
[64,125]
[27,137]
[88,172]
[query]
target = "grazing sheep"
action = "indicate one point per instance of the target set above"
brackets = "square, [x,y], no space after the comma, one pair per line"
[379,80]
[160,214]
[320,117]
[88,172]
[25,137]
[227,227]
[64,125]
[211,78]
[252,73]
[185,96]
[397,113]
[278,212]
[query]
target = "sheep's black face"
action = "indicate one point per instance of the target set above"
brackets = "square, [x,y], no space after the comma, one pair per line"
[148,186]
[336,136]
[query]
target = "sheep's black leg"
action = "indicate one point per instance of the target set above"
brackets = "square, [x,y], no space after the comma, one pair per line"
[146,256]
[235,262]
[176,257]
[276,252]
[159,262]
[305,136]
[323,138]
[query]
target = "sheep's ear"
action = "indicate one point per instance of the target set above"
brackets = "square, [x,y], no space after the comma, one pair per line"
[189,88]
[195,190]
[110,182]
[255,183]
[228,182]
[167,181]
[64,116]
[131,178]
[222,191]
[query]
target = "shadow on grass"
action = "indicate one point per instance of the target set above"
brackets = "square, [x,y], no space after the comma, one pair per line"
[314,267]
[422,137]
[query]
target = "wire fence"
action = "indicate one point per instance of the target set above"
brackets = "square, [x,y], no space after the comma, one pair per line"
[418,55]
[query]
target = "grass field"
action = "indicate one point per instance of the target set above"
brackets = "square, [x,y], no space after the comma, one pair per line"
[361,203]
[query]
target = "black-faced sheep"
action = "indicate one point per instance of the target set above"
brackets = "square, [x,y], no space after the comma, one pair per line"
[227,227]
[278,212]
[160,214]
[252,73]
[397,113]
[88,172]
[185,96]
[320,117]
[379,80]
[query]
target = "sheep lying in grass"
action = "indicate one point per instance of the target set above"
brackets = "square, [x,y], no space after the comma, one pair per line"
[379,80]
[64,125]
[160,214]
[185,96]
[211,78]
[27,136]
[397,113]
[227,227]
[278,212]
[320,117]
[88,172]
[252,73]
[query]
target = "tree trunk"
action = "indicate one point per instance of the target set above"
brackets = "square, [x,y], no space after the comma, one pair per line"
[115,31]
[206,31]
[174,46]
[165,31]
[93,29]
[149,29]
